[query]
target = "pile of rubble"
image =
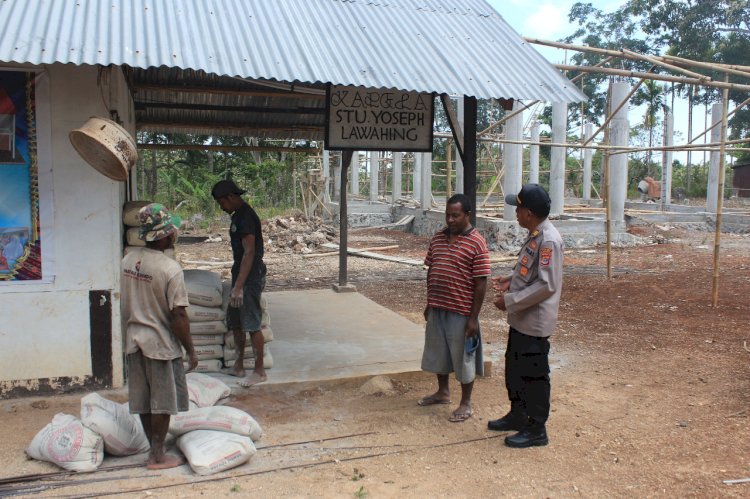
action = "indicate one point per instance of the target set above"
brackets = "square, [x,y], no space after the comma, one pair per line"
[296,234]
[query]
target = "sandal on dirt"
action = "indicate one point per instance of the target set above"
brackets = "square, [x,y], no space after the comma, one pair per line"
[460,417]
[430,400]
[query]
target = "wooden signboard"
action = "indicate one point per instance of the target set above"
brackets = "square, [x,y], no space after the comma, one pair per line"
[361,119]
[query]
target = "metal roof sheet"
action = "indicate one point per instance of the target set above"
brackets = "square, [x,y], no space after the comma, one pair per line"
[459,47]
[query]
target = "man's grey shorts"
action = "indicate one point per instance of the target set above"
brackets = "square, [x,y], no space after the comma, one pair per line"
[156,386]
[248,317]
[444,342]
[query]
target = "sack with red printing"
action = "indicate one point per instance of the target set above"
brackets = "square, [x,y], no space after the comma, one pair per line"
[68,444]
[219,418]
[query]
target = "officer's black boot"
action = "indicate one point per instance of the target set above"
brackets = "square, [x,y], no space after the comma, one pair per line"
[531,436]
[515,420]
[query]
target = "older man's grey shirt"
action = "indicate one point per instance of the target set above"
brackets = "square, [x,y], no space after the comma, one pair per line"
[533,299]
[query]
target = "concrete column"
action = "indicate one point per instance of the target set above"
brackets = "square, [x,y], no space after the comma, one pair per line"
[534,155]
[712,199]
[666,168]
[354,189]
[397,158]
[618,163]
[425,199]
[372,168]
[337,178]
[512,154]
[416,177]
[557,163]
[459,162]
[587,156]
[326,174]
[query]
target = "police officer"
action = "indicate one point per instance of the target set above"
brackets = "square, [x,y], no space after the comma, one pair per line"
[531,296]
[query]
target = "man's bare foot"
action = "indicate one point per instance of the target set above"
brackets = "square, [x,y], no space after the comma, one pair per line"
[233,371]
[166,462]
[253,379]
[461,414]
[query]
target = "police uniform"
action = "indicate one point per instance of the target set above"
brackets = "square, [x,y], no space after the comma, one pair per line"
[532,302]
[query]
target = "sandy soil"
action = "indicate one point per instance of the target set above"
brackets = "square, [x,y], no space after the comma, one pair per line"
[650,393]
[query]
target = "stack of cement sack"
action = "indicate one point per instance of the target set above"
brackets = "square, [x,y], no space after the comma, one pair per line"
[132,223]
[213,438]
[230,351]
[207,318]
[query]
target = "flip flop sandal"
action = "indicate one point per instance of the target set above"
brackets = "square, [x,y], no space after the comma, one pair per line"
[460,417]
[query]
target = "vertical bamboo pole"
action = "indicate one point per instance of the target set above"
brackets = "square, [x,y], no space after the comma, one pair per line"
[448,169]
[605,173]
[720,197]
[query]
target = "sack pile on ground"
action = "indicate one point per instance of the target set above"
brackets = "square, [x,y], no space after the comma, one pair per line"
[296,234]
[132,227]
[79,444]
[213,438]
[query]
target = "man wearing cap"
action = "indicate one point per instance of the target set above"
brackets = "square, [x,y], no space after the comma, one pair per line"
[248,279]
[153,302]
[531,296]
[459,264]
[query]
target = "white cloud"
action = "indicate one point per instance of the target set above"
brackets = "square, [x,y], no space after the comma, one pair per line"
[547,20]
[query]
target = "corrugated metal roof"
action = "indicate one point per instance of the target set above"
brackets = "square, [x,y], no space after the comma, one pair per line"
[460,47]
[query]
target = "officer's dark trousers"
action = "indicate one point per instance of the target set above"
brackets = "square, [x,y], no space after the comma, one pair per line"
[527,376]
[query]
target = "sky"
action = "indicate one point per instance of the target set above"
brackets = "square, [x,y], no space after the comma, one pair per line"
[549,20]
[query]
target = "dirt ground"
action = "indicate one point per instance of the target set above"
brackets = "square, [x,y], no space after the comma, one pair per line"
[650,392]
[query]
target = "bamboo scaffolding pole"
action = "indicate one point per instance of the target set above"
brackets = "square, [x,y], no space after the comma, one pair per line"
[727,68]
[654,76]
[743,103]
[448,168]
[608,196]
[657,60]
[720,198]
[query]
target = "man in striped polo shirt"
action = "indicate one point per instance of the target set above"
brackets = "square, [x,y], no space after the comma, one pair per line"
[459,265]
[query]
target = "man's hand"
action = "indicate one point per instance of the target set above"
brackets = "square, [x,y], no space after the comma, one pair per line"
[499,300]
[472,327]
[193,361]
[501,283]
[236,298]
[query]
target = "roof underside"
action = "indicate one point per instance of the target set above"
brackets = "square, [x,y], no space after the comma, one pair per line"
[191,48]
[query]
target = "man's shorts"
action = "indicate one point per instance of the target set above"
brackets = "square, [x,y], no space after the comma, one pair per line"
[444,342]
[156,386]
[247,318]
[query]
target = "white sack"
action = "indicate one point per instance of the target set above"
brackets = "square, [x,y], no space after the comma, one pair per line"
[231,353]
[207,339]
[204,390]
[197,313]
[68,444]
[205,366]
[218,418]
[131,236]
[204,287]
[122,432]
[250,361]
[208,327]
[210,452]
[130,212]
[267,338]
[206,352]
[265,319]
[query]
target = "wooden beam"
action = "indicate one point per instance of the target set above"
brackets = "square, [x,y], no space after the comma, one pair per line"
[142,106]
[234,127]
[453,122]
[218,91]
[200,147]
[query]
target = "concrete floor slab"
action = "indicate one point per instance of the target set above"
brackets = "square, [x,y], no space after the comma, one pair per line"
[323,335]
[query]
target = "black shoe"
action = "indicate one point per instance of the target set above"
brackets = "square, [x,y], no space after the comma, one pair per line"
[509,422]
[528,437]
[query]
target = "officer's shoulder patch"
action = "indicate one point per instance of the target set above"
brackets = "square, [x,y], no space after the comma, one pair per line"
[523,271]
[545,257]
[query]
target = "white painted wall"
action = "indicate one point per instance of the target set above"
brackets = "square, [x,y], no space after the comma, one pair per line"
[45,329]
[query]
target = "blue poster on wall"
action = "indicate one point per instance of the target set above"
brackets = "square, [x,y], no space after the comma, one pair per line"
[20,248]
